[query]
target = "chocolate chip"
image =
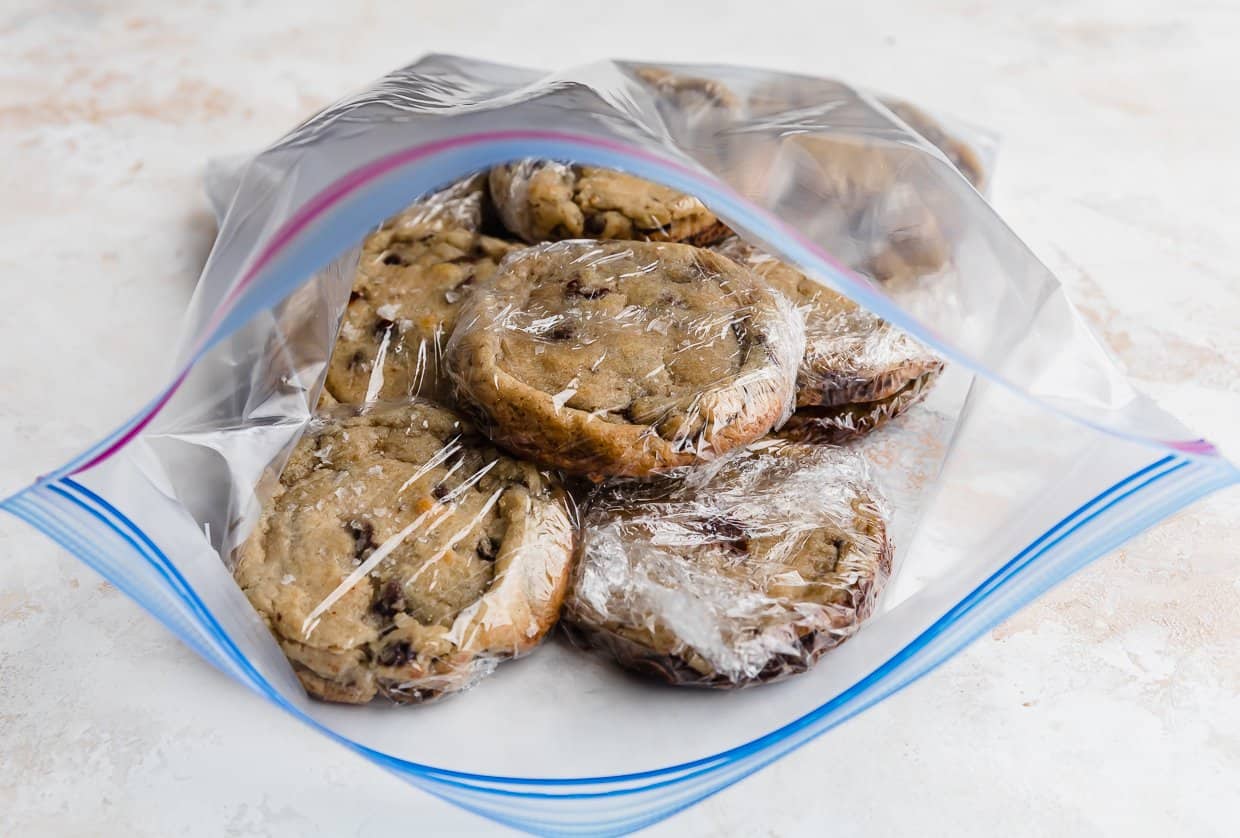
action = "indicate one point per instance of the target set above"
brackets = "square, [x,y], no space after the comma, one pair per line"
[382,325]
[363,538]
[561,332]
[841,550]
[487,549]
[354,296]
[724,529]
[391,258]
[774,668]
[391,599]
[357,360]
[629,412]
[396,654]
[440,491]
[574,286]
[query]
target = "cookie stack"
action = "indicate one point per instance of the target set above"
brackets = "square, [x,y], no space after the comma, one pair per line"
[562,390]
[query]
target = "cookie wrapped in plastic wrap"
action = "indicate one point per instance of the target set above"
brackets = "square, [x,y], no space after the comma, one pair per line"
[858,370]
[412,275]
[745,572]
[545,200]
[963,156]
[401,554]
[625,358]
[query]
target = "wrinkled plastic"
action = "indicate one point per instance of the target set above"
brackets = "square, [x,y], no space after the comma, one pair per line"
[857,372]
[400,553]
[546,200]
[412,275]
[1030,456]
[743,572]
[624,359]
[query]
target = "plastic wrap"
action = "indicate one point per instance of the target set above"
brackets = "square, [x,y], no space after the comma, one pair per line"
[845,421]
[412,274]
[858,371]
[1030,456]
[614,359]
[743,572]
[465,204]
[402,309]
[400,553]
[544,200]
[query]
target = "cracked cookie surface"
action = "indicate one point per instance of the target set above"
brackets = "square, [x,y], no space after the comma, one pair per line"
[402,555]
[410,281]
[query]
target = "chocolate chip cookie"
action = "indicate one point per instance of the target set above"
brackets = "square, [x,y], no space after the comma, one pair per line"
[746,572]
[403,555]
[412,276]
[858,370]
[835,424]
[962,155]
[625,358]
[543,200]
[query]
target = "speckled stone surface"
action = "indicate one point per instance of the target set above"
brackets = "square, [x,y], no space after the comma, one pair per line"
[1110,707]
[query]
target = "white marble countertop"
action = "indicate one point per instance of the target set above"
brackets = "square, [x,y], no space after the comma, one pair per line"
[1111,706]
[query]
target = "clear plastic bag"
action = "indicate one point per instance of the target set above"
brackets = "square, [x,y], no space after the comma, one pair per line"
[1029,456]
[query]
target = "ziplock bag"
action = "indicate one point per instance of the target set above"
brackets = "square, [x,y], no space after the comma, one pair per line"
[1030,457]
